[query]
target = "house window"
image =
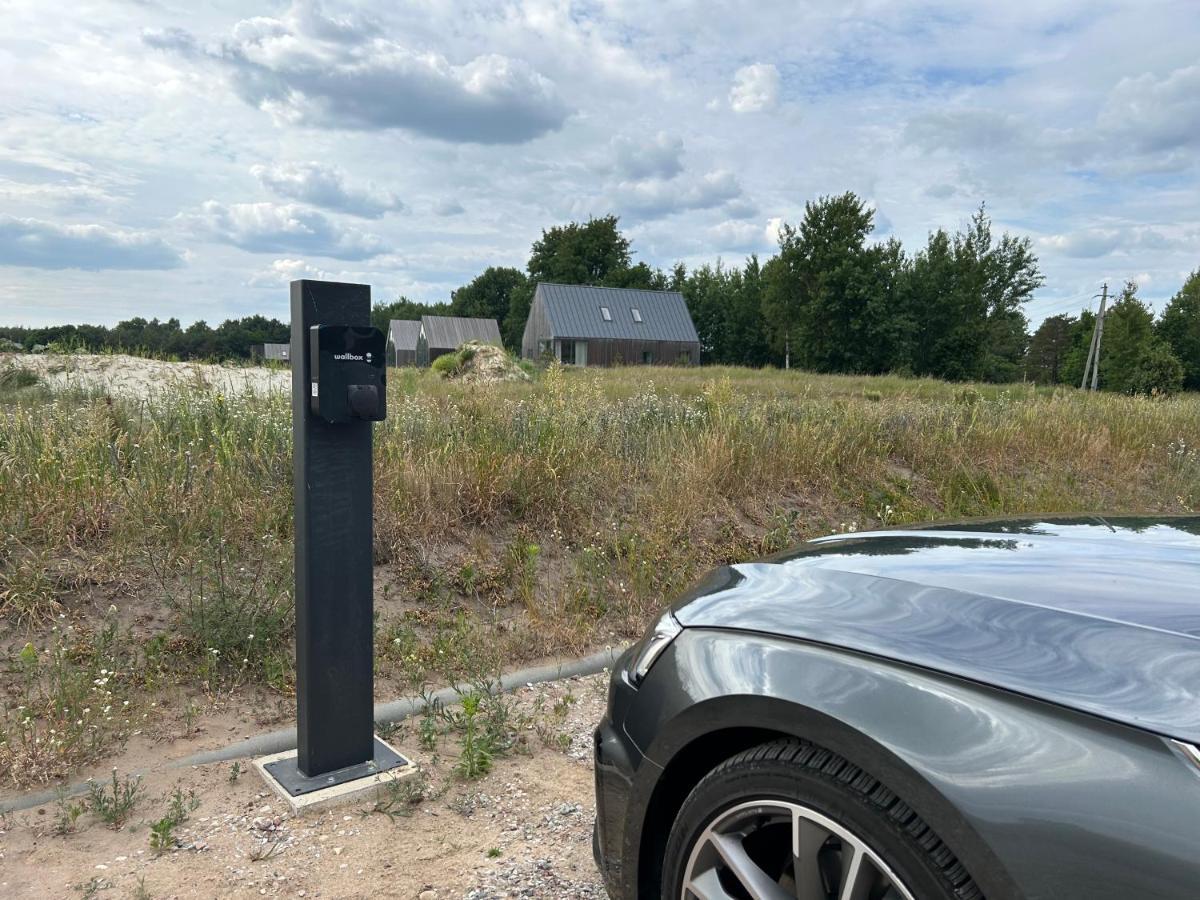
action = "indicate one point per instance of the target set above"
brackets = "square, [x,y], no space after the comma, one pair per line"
[566,353]
[637,313]
[605,314]
[648,357]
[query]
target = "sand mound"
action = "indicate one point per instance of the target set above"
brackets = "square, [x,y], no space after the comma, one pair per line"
[138,378]
[478,363]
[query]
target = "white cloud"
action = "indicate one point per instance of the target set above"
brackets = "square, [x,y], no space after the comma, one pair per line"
[755,88]
[965,130]
[741,208]
[305,68]
[745,237]
[655,197]
[1089,243]
[49,245]
[325,186]
[659,156]
[272,228]
[60,196]
[1156,114]
[448,208]
[773,229]
[282,272]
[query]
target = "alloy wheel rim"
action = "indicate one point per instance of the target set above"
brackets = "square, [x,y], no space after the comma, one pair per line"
[776,850]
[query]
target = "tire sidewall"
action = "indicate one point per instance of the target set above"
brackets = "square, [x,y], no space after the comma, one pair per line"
[772,780]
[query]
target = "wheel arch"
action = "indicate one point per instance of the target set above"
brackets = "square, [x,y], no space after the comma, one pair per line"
[691,747]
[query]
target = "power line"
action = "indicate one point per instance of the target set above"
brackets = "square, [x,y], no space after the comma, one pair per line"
[1079,302]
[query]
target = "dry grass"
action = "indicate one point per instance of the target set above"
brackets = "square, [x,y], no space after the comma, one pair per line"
[517,519]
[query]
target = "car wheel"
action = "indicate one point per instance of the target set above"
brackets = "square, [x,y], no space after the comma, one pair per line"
[791,821]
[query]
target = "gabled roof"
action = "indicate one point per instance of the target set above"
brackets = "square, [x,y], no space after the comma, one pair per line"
[576,311]
[404,333]
[451,332]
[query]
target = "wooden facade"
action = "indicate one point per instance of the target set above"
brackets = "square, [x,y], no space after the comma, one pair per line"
[276,352]
[401,357]
[403,342]
[580,352]
[544,341]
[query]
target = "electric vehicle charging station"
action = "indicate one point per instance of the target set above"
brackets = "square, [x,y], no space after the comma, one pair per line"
[338,392]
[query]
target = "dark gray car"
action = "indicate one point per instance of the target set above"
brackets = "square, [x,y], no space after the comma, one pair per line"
[999,709]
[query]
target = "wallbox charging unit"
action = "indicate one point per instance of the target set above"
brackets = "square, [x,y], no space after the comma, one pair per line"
[337,393]
[347,373]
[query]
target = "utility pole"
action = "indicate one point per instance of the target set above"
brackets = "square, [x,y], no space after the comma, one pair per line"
[1099,336]
[1094,348]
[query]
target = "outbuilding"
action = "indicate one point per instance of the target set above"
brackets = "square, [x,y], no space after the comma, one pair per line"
[404,335]
[599,326]
[445,334]
[277,352]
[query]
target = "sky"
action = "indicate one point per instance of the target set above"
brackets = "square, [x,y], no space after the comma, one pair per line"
[186,160]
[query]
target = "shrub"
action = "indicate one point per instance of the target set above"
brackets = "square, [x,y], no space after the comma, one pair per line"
[1159,371]
[236,618]
[114,803]
[446,364]
[180,806]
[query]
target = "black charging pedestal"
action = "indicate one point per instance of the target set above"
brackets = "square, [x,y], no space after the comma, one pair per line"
[338,390]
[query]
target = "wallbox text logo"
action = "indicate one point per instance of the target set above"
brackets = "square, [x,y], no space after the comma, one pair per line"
[347,356]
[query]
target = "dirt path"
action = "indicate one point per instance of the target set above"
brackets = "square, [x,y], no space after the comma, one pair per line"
[524,830]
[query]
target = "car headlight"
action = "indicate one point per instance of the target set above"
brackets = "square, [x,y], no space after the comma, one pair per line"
[650,648]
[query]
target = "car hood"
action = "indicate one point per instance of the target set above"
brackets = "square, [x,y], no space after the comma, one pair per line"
[1098,615]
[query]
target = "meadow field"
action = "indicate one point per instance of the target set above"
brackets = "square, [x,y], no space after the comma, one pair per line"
[145,557]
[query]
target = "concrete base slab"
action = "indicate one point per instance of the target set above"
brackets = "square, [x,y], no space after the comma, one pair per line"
[366,789]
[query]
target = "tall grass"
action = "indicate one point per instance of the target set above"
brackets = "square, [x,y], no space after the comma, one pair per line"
[655,456]
[531,518]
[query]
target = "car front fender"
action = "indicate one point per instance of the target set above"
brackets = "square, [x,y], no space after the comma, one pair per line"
[1036,801]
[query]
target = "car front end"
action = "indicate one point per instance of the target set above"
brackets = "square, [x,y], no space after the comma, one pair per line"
[930,692]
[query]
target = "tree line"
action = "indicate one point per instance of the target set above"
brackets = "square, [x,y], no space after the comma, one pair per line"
[1138,354]
[829,300]
[232,339]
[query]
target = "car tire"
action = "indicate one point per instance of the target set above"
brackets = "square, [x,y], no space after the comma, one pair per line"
[799,778]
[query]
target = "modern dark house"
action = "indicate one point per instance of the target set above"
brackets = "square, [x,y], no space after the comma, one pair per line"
[445,334]
[598,326]
[403,337]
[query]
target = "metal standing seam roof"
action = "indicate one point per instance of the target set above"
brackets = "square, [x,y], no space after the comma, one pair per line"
[574,312]
[451,332]
[404,333]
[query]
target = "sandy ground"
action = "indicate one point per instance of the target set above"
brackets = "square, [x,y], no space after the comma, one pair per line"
[132,376]
[523,831]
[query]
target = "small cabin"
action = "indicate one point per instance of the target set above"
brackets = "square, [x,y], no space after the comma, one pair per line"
[445,334]
[277,352]
[404,336]
[580,325]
